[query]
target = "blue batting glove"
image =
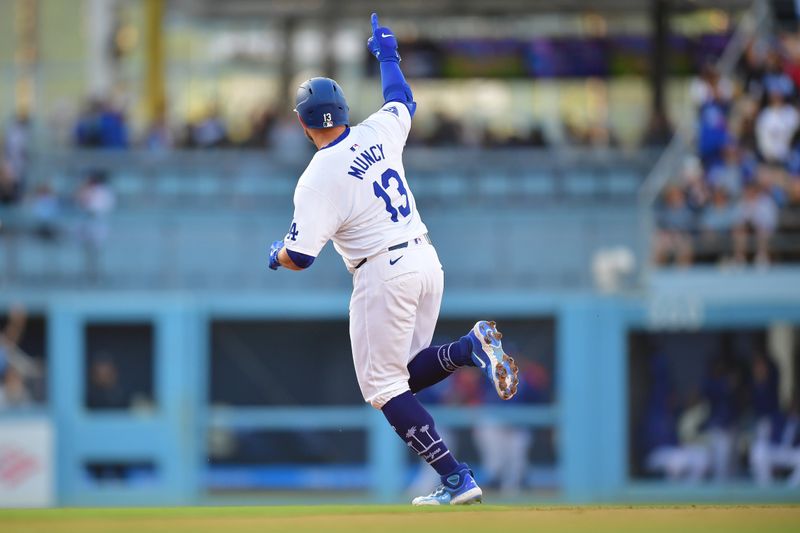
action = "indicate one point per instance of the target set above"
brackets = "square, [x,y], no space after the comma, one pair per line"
[383,43]
[276,247]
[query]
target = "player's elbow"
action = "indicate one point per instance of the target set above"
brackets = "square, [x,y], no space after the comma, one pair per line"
[409,102]
[299,260]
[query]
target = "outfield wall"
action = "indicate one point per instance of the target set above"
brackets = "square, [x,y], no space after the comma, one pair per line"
[588,413]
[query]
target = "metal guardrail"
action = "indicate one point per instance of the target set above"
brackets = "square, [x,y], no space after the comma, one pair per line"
[385,452]
[250,179]
[174,207]
[218,248]
[357,417]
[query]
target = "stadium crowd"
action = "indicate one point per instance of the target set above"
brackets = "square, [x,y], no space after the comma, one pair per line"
[103,124]
[739,194]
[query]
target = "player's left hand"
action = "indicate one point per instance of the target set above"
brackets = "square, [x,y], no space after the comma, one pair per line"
[276,247]
[383,43]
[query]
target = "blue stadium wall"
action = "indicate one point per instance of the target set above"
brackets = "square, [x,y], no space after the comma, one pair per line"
[589,412]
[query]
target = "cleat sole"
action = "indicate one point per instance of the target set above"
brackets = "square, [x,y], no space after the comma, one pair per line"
[502,369]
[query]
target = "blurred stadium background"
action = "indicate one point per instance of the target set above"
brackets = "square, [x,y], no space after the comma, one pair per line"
[624,177]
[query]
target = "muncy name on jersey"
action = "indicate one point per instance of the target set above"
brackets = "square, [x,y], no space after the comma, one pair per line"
[365,159]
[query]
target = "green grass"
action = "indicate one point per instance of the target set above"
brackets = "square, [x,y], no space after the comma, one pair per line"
[407,519]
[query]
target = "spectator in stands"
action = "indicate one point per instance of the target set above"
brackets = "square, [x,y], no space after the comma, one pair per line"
[710,85]
[713,133]
[718,220]
[104,390]
[674,222]
[536,137]
[16,151]
[158,136]
[757,214]
[745,128]
[695,187]
[790,44]
[776,124]
[210,131]
[87,130]
[9,188]
[751,66]
[101,125]
[775,77]
[793,173]
[96,200]
[492,137]
[446,130]
[286,138]
[732,172]
[45,210]
[262,124]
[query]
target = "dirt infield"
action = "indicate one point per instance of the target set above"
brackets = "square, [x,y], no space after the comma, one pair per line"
[405,519]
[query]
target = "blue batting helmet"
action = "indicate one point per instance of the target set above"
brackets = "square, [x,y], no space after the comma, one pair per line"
[320,103]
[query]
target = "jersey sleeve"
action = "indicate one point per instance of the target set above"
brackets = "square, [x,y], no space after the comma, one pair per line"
[393,119]
[315,222]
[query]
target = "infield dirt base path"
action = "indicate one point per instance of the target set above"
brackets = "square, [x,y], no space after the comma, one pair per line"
[406,519]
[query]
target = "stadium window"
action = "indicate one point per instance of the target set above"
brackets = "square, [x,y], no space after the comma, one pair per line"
[23,359]
[119,367]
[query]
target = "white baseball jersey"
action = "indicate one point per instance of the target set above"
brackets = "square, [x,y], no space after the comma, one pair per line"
[355,193]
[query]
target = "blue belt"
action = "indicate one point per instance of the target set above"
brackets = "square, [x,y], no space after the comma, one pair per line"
[396,247]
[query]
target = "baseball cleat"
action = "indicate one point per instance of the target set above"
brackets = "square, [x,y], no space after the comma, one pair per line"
[488,355]
[456,489]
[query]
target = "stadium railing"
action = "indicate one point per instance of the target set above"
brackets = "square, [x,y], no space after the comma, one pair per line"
[178,206]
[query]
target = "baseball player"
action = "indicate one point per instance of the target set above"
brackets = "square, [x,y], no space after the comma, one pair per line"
[354,192]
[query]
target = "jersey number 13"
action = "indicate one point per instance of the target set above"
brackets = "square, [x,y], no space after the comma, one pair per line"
[380,192]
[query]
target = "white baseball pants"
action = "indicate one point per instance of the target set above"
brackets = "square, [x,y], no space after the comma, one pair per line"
[393,312]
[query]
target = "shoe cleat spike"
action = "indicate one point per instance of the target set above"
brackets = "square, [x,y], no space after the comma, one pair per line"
[488,354]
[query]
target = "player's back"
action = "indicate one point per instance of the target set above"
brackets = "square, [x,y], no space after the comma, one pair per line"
[358,188]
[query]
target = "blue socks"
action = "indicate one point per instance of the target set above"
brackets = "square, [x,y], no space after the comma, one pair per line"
[408,417]
[433,364]
[414,425]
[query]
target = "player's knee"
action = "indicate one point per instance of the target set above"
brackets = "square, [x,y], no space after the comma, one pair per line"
[382,398]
